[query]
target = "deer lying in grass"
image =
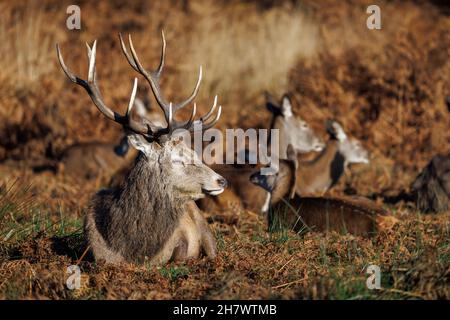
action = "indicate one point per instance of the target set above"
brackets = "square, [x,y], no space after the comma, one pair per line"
[323,172]
[345,215]
[292,130]
[150,216]
[96,159]
[432,186]
[317,175]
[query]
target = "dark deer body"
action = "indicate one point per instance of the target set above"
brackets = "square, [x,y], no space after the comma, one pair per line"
[432,185]
[325,214]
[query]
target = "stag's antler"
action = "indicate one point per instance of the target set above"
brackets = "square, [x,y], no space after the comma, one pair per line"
[148,130]
[153,78]
[93,90]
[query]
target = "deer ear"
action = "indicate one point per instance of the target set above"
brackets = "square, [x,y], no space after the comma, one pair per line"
[340,134]
[139,143]
[286,106]
[335,130]
[271,105]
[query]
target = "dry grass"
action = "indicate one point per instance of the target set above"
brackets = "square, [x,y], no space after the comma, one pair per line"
[387,87]
[244,52]
[27,47]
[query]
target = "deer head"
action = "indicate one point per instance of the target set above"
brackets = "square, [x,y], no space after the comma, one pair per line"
[350,148]
[282,180]
[160,146]
[293,129]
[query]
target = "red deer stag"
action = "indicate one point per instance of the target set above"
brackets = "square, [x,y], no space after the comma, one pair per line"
[150,216]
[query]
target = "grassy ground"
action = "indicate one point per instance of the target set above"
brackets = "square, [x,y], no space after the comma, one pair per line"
[387,87]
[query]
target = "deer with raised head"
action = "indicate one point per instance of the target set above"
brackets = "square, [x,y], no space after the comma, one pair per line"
[292,130]
[323,172]
[151,217]
[357,216]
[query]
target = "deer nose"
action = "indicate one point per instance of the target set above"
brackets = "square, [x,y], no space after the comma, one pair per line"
[222,182]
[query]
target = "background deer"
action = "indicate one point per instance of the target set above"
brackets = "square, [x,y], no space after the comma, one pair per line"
[149,217]
[98,159]
[432,186]
[323,172]
[292,130]
[356,216]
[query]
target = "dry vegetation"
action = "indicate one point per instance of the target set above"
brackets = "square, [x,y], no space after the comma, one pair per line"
[387,88]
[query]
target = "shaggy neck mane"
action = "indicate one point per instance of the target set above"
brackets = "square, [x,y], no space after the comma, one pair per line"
[144,212]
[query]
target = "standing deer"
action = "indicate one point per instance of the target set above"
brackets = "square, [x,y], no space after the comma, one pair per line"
[292,130]
[357,216]
[150,216]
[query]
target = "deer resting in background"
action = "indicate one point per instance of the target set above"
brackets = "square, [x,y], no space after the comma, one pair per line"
[150,216]
[292,130]
[357,216]
[93,159]
[432,186]
[323,172]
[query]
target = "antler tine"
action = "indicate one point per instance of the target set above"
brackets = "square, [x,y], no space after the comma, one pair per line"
[191,119]
[66,70]
[94,93]
[212,123]
[169,118]
[91,71]
[163,54]
[207,116]
[89,59]
[132,98]
[152,78]
[194,93]
[127,55]
[169,109]
[188,123]
[210,112]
